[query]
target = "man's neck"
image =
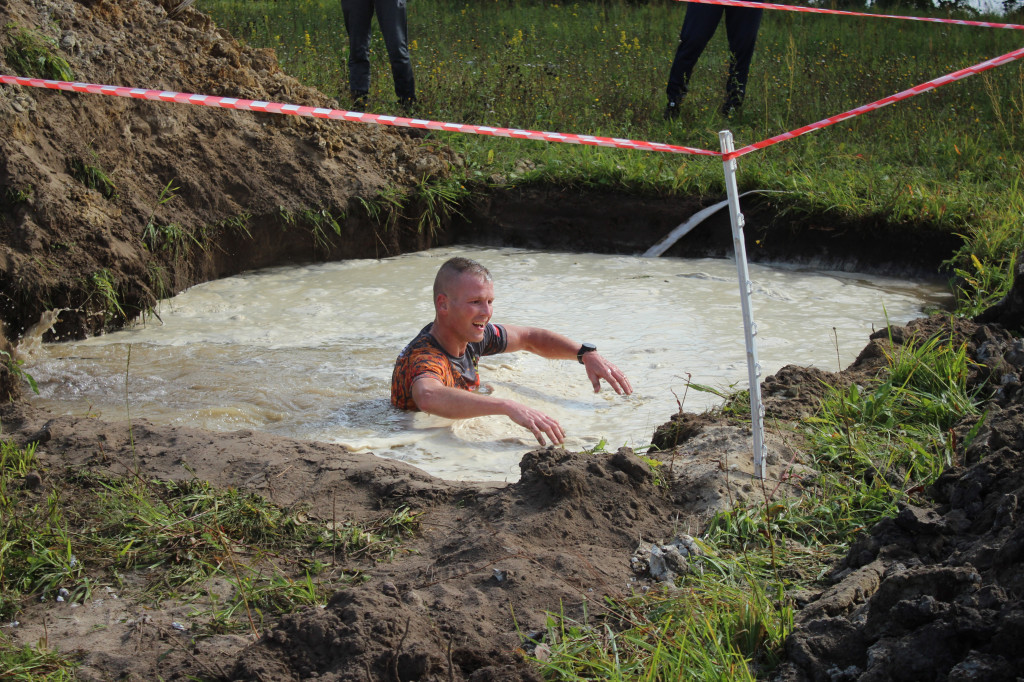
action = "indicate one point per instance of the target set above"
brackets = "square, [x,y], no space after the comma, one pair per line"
[451,343]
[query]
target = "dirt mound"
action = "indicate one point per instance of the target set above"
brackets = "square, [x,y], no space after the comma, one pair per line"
[935,593]
[461,599]
[107,204]
[562,535]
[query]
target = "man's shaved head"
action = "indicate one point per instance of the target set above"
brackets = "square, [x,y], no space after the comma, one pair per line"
[454,268]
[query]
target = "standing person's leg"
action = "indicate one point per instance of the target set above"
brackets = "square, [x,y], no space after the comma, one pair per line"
[699,25]
[391,16]
[741,26]
[358,14]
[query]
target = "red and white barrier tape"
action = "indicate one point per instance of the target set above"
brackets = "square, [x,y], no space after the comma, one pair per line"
[339,114]
[565,138]
[819,10]
[909,92]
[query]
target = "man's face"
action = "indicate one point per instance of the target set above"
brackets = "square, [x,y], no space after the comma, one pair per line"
[468,306]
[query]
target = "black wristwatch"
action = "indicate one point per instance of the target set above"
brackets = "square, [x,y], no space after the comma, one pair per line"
[584,349]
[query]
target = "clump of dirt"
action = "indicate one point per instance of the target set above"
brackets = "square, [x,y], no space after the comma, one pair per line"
[935,593]
[107,204]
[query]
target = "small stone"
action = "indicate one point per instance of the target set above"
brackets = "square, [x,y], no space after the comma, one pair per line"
[33,480]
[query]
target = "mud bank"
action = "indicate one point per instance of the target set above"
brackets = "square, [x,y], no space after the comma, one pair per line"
[566,219]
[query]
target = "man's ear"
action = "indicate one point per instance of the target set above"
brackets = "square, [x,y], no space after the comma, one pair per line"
[442,302]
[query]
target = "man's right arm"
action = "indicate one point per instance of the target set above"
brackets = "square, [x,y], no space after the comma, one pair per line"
[455,403]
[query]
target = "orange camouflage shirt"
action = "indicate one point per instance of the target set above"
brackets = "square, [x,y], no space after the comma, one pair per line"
[424,356]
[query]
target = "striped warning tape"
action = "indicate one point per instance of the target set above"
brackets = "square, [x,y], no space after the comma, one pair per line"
[821,10]
[904,94]
[567,138]
[356,116]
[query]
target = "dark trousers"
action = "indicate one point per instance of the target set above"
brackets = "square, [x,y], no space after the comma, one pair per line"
[699,24]
[391,18]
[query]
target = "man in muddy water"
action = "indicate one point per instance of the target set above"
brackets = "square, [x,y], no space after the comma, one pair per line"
[437,371]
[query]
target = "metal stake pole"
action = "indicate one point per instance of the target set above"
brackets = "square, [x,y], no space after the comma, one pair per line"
[749,326]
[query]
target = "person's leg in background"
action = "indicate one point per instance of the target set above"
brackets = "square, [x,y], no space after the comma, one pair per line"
[391,15]
[699,25]
[741,26]
[358,14]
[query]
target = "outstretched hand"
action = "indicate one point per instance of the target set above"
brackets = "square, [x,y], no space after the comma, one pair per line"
[538,422]
[598,368]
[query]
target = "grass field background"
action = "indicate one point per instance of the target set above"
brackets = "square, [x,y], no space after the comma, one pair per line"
[951,158]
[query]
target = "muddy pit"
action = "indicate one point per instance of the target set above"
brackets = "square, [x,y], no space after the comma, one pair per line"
[931,594]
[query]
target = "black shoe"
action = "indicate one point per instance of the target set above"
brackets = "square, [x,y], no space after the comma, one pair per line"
[407,103]
[360,100]
[730,109]
[672,111]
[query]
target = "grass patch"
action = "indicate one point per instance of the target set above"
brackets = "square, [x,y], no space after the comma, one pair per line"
[31,53]
[104,284]
[175,540]
[320,222]
[385,208]
[719,624]
[33,663]
[171,238]
[438,201]
[93,177]
[13,196]
[16,367]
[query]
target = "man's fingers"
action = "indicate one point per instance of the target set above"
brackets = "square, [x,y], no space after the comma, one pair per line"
[619,382]
[552,429]
[615,378]
[540,424]
[556,433]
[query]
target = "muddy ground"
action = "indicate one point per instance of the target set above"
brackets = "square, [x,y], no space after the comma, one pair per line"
[931,594]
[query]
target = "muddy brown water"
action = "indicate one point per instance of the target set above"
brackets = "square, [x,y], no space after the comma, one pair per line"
[307,351]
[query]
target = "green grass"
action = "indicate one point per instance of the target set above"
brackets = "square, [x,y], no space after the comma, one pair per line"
[33,663]
[719,625]
[92,176]
[84,529]
[949,159]
[104,284]
[17,369]
[323,226]
[32,53]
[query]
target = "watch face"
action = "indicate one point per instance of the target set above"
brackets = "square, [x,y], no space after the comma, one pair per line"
[587,347]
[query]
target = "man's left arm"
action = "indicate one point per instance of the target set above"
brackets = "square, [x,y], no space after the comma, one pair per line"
[555,346]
